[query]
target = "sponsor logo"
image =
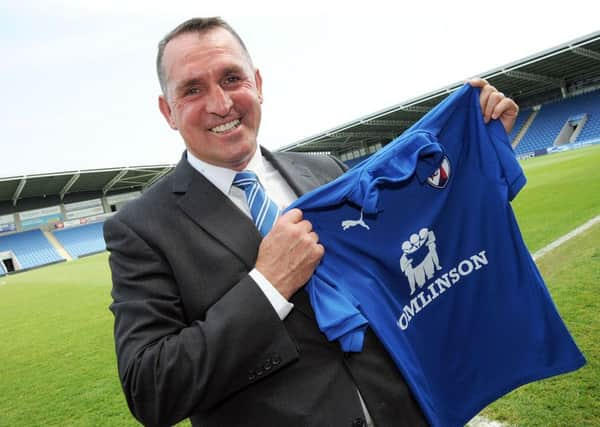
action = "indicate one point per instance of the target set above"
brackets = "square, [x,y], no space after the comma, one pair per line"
[420,263]
[419,259]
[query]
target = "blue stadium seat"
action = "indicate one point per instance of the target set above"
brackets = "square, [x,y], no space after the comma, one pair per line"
[83,240]
[31,248]
[590,103]
[553,116]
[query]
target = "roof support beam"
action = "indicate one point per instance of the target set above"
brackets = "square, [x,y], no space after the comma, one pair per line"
[588,53]
[539,78]
[19,190]
[137,179]
[158,176]
[333,146]
[522,75]
[338,146]
[68,185]
[383,122]
[114,181]
[363,135]
[417,109]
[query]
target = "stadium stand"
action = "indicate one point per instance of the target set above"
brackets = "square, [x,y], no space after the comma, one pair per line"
[2,269]
[31,249]
[548,123]
[591,105]
[83,240]
[553,116]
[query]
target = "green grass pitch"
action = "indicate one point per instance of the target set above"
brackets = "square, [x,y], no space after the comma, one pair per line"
[562,192]
[57,362]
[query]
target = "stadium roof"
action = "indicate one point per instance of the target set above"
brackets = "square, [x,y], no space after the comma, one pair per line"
[101,181]
[545,76]
[539,78]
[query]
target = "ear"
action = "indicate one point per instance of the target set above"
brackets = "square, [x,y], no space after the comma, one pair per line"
[165,109]
[258,79]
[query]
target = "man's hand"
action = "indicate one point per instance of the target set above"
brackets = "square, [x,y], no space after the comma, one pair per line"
[289,253]
[495,105]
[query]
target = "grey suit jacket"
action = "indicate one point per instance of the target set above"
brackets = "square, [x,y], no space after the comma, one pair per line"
[195,336]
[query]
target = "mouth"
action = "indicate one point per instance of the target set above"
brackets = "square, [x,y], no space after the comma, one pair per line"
[225,127]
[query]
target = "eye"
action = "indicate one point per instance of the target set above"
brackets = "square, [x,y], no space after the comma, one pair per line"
[231,80]
[192,91]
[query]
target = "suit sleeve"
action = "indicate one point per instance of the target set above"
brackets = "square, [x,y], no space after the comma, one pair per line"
[171,367]
[343,166]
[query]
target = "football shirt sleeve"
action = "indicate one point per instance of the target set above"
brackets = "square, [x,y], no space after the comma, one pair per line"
[337,313]
[512,172]
[497,158]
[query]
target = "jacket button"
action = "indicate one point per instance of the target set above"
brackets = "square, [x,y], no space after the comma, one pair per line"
[275,360]
[251,375]
[268,365]
[359,422]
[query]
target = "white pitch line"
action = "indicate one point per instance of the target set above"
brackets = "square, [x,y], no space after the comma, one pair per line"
[565,238]
[480,421]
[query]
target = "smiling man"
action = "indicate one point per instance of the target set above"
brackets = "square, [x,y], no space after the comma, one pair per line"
[213,96]
[211,322]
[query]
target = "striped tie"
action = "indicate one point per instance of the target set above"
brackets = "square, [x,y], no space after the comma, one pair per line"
[264,211]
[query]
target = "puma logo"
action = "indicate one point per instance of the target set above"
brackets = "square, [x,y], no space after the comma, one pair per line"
[354,222]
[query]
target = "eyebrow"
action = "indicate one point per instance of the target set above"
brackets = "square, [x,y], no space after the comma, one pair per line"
[233,69]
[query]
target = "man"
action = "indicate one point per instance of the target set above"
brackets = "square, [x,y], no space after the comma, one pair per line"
[211,322]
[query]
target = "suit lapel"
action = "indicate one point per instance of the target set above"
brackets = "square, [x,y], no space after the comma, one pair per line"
[299,177]
[208,207]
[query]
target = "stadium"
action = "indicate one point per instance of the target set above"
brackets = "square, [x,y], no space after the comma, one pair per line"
[58,364]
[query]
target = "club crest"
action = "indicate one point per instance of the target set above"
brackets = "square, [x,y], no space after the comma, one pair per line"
[440,177]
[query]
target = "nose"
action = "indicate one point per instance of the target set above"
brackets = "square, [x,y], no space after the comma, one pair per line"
[219,102]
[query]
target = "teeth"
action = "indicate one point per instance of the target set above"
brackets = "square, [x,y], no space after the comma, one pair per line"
[226,126]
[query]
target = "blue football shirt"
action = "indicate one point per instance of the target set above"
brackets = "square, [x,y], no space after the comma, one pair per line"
[423,247]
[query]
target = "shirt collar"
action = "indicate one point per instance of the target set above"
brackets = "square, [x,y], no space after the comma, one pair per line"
[223,177]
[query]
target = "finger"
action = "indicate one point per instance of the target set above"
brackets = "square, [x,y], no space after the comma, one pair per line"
[484,99]
[493,100]
[292,216]
[507,111]
[477,82]
[505,105]
[306,226]
[319,251]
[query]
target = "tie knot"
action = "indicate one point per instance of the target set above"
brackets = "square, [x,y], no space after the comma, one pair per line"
[263,210]
[245,178]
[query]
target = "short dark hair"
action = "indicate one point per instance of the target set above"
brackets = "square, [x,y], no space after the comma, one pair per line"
[194,25]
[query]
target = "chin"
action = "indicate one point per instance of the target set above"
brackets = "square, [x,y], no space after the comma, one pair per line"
[246,150]
[241,159]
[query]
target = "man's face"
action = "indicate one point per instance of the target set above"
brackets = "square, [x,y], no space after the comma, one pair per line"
[213,97]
